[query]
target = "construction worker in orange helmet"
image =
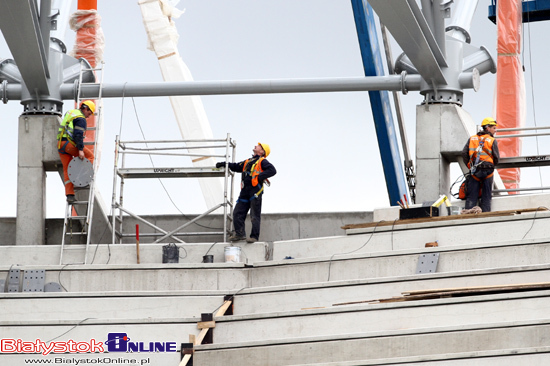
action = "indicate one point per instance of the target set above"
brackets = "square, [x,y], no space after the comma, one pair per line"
[255,171]
[481,155]
[70,141]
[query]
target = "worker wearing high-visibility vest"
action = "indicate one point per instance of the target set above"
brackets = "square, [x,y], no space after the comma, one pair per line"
[255,172]
[70,141]
[481,155]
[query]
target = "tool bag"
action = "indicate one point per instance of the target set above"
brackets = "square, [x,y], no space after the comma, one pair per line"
[463,190]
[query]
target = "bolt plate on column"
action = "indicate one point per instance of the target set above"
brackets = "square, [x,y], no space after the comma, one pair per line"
[33,280]
[427,263]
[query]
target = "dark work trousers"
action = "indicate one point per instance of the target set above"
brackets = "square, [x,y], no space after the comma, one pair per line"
[240,212]
[486,185]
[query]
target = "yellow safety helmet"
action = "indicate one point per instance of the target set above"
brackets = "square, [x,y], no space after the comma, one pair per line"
[488,122]
[266,148]
[89,104]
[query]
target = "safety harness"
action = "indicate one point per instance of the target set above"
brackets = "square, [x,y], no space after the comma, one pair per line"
[254,172]
[478,161]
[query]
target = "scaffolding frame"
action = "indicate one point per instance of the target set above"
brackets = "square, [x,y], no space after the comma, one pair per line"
[171,148]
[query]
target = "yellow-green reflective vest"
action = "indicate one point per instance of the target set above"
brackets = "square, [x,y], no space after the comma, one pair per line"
[66,130]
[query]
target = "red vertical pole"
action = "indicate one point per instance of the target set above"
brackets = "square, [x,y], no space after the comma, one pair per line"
[85,39]
[510,91]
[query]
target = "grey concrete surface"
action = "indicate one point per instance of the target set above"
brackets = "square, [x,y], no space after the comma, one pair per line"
[28,307]
[275,299]
[508,357]
[162,277]
[379,345]
[35,152]
[281,226]
[397,263]
[422,314]
[126,253]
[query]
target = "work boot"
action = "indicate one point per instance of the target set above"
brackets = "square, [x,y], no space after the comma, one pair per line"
[71,198]
[236,237]
[251,240]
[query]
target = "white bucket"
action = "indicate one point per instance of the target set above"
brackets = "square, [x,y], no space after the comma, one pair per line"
[232,254]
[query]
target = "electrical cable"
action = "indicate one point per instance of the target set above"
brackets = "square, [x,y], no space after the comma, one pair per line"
[161,183]
[230,299]
[353,251]
[533,223]
[179,256]
[76,325]
[59,276]
[392,225]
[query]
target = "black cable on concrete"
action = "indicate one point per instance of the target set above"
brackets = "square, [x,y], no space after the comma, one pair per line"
[533,223]
[230,299]
[76,325]
[392,225]
[59,276]
[353,251]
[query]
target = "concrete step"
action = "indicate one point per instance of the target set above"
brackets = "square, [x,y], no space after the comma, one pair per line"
[398,263]
[150,277]
[275,299]
[124,253]
[391,346]
[105,305]
[423,314]
[285,298]
[235,276]
[473,231]
[507,357]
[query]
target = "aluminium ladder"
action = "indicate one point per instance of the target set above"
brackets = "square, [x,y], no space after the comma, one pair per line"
[84,209]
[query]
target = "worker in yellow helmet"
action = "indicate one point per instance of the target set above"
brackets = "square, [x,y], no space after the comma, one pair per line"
[481,155]
[70,141]
[255,171]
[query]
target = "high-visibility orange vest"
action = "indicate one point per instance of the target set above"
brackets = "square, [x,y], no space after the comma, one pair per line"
[255,170]
[486,154]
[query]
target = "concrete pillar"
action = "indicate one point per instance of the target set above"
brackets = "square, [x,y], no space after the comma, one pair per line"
[36,154]
[441,132]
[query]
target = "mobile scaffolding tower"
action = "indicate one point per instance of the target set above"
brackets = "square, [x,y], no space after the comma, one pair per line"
[172,148]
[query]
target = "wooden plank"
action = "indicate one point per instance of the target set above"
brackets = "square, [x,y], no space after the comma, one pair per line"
[481,288]
[192,339]
[454,292]
[442,218]
[201,336]
[224,308]
[206,325]
[185,360]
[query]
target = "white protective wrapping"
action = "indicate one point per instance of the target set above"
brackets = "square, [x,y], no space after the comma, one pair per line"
[189,110]
[93,45]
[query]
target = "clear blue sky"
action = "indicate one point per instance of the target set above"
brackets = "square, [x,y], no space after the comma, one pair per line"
[323,145]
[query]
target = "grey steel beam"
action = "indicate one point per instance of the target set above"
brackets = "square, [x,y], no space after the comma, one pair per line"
[21,30]
[411,31]
[524,161]
[45,25]
[170,172]
[403,83]
[394,82]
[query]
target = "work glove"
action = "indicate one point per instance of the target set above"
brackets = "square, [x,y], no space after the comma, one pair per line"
[220,165]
